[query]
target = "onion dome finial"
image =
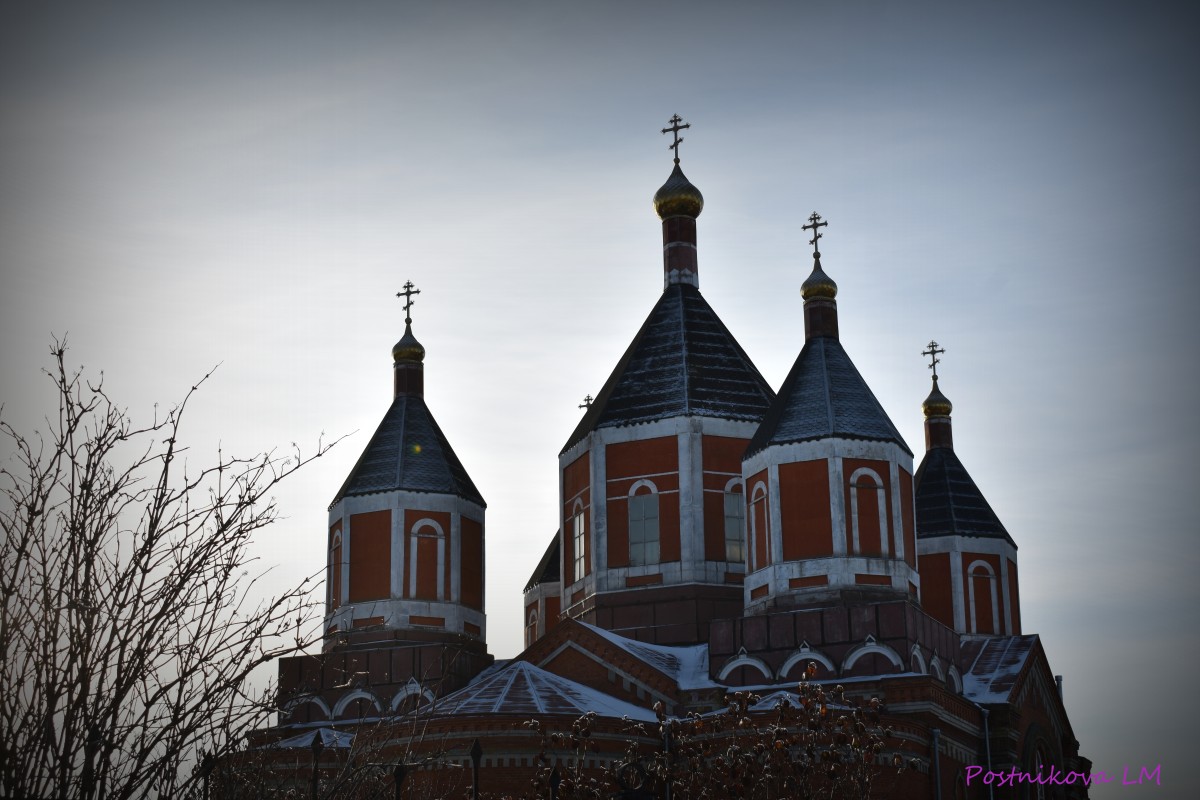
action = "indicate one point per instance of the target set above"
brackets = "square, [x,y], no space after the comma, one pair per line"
[937,404]
[408,348]
[677,197]
[818,284]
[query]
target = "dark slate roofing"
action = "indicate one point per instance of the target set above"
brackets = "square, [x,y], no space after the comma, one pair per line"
[996,664]
[822,397]
[683,362]
[409,452]
[949,502]
[548,569]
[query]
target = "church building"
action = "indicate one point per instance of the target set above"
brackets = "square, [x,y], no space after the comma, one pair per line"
[713,535]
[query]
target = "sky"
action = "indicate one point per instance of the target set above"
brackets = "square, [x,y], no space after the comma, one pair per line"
[249,185]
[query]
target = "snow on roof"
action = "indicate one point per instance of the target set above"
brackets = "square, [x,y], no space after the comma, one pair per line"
[996,666]
[686,665]
[524,690]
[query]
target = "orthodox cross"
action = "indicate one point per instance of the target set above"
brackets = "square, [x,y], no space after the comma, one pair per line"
[933,352]
[587,402]
[675,129]
[409,291]
[814,224]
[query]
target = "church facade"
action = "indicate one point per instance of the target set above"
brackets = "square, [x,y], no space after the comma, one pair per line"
[714,535]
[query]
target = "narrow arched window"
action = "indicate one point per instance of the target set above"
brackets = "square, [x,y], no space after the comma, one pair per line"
[335,571]
[531,627]
[643,526]
[579,542]
[759,550]
[982,599]
[735,525]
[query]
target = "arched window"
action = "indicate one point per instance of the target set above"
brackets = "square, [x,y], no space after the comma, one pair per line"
[427,560]
[868,513]
[531,627]
[982,599]
[757,530]
[334,581]
[579,542]
[735,523]
[643,524]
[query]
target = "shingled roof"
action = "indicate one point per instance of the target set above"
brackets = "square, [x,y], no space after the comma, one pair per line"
[683,362]
[824,396]
[996,665]
[949,502]
[409,452]
[548,569]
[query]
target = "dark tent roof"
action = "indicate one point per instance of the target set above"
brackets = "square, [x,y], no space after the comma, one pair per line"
[548,569]
[409,452]
[683,362]
[824,396]
[949,502]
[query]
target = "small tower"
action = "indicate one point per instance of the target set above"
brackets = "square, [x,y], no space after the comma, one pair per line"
[828,478]
[968,561]
[650,481]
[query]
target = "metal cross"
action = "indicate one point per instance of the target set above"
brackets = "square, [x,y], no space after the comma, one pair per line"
[409,291]
[675,129]
[933,352]
[587,402]
[814,223]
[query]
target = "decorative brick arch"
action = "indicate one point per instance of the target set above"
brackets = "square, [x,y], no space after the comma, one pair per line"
[871,646]
[417,553]
[758,528]
[954,679]
[744,660]
[917,660]
[411,689]
[806,653]
[294,705]
[357,694]
[935,668]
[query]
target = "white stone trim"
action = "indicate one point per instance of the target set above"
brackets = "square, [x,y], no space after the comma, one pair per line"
[872,646]
[292,705]
[916,653]
[350,698]
[806,653]
[411,688]
[744,660]
[954,679]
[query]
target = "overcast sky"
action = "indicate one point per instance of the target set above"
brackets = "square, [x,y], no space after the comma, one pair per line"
[183,185]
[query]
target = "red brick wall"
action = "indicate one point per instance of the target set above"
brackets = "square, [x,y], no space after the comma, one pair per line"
[471,579]
[1013,597]
[936,595]
[804,510]
[906,513]
[370,556]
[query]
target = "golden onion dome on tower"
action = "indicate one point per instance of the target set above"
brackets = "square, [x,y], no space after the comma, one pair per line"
[818,284]
[678,197]
[937,404]
[408,348]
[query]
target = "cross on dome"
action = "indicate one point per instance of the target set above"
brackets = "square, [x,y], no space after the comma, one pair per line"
[587,402]
[814,223]
[409,291]
[933,353]
[675,129]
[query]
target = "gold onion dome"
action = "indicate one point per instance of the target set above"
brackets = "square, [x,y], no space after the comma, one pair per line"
[937,404]
[408,348]
[818,284]
[678,197]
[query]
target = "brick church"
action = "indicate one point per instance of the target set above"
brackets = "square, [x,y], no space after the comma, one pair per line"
[713,535]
